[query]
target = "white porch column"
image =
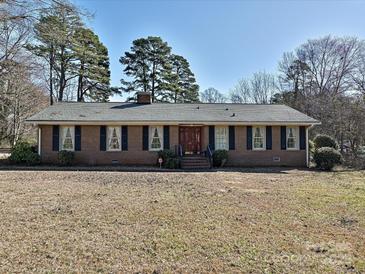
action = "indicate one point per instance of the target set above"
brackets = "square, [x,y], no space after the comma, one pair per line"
[39,140]
[307,146]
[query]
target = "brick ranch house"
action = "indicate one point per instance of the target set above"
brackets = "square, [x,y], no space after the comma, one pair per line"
[133,133]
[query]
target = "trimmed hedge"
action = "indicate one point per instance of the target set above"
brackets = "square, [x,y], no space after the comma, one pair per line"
[324,141]
[220,157]
[24,153]
[326,158]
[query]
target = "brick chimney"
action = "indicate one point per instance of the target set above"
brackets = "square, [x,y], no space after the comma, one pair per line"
[143,98]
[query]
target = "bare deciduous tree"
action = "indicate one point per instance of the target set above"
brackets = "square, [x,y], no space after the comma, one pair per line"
[259,89]
[321,78]
[20,95]
[211,95]
[20,99]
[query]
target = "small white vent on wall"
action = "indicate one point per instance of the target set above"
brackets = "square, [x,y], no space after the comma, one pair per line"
[276,159]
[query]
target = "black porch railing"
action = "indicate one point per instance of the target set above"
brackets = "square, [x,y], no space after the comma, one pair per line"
[209,154]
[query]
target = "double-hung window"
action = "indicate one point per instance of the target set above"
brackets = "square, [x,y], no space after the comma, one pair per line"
[156,140]
[113,138]
[221,137]
[259,138]
[292,138]
[67,138]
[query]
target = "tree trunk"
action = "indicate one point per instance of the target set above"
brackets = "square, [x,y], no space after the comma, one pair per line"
[80,88]
[62,80]
[153,82]
[51,64]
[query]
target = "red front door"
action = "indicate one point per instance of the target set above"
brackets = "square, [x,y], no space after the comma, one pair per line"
[190,139]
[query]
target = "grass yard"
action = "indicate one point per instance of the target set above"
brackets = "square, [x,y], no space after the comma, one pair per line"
[255,220]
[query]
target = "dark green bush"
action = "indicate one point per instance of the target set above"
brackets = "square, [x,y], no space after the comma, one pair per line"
[220,157]
[166,154]
[23,153]
[169,158]
[324,141]
[65,157]
[326,158]
[172,163]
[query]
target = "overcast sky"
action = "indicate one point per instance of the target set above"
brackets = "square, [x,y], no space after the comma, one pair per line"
[223,40]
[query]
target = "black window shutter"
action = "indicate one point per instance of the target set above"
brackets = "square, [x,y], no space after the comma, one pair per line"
[212,137]
[103,138]
[283,137]
[231,134]
[268,137]
[302,135]
[145,138]
[249,137]
[78,138]
[55,138]
[124,137]
[166,137]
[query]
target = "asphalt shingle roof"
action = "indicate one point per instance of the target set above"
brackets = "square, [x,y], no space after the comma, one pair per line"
[170,113]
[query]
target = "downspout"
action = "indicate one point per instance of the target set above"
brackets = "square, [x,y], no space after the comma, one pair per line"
[307,146]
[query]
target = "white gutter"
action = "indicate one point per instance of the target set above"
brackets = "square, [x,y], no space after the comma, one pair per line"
[201,123]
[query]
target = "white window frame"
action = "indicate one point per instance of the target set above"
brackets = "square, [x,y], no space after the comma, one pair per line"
[160,136]
[108,133]
[63,130]
[263,132]
[216,137]
[296,132]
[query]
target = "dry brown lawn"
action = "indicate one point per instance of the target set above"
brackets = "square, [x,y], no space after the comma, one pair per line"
[260,220]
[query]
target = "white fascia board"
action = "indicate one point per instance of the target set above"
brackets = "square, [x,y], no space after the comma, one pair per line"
[192,123]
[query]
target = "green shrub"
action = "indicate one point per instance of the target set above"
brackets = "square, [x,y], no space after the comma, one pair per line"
[24,153]
[326,158]
[220,157]
[172,163]
[166,154]
[169,158]
[324,141]
[65,157]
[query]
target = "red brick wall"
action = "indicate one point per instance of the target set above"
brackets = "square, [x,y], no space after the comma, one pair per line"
[90,153]
[243,157]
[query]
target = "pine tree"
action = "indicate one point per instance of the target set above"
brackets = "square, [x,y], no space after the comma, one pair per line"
[152,68]
[91,67]
[147,64]
[182,83]
[74,54]
[54,33]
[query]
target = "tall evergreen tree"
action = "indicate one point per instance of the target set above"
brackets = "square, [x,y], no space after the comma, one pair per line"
[55,33]
[182,83]
[91,66]
[148,65]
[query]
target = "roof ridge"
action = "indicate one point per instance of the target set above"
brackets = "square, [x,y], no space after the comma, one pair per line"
[168,103]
